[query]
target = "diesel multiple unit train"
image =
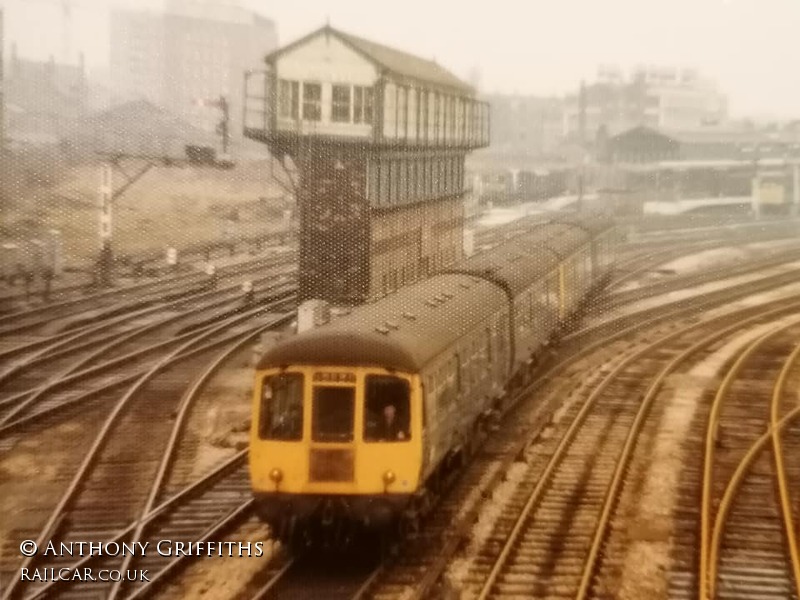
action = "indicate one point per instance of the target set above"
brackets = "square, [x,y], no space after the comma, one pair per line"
[362,419]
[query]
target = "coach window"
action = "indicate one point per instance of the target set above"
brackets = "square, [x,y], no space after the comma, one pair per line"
[333,413]
[281,414]
[387,409]
[312,101]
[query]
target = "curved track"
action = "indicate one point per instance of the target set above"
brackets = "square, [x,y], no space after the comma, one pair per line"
[119,482]
[745,543]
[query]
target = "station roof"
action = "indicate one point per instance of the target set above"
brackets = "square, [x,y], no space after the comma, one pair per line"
[389,59]
[643,132]
[709,165]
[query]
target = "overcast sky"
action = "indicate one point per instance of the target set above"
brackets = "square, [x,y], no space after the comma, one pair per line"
[750,47]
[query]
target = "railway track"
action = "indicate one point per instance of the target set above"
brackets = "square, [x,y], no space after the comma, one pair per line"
[412,576]
[37,322]
[203,252]
[309,577]
[42,406]
[675,307]
[119,482]
[67,351]
[160,320]
[549,539]
[744,541]
[393,576]
[786,259]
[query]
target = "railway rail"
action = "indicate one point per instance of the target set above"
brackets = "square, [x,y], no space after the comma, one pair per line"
[48,401]
[745,544]
[203,251]
[110,303]
[159,319]
[412,575]
[785,259]
[389,580]
[119,481]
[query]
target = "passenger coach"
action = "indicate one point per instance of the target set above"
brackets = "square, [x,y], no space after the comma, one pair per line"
[361,420]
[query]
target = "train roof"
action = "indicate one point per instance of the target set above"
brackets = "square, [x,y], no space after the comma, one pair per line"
[532,255]
[403,331]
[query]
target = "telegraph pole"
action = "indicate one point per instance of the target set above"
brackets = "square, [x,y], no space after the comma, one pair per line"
[106,262]
[105,204]
[224,128]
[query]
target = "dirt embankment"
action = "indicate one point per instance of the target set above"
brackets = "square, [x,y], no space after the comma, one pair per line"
[168,206]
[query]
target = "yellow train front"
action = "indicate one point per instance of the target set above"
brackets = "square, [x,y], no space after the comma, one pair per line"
[354,421]
[335,442]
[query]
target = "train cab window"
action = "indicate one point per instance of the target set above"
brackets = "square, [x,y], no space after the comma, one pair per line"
[387,409]
[281,414]
[333,414]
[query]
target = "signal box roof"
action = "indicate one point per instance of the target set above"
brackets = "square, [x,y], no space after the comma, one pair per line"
[397,62]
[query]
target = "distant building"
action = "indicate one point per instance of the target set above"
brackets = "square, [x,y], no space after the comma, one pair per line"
[195,50]
[43,100]
[656,97]
[642,145]
[525,126]
[713,143]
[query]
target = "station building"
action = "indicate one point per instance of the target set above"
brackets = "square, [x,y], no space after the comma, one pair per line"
[378,137]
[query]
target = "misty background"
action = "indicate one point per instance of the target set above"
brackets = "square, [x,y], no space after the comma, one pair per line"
[528,47]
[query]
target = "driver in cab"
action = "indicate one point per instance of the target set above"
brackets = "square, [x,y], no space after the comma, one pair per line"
[388,429]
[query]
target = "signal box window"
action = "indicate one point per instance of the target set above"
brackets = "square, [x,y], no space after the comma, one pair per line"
[312,101]
[334,413]
[362,104]
[281,415]
[288,102]
[387,409]
[340,108]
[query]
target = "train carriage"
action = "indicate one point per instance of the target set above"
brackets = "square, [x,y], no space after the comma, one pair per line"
[319,395]
[433,359]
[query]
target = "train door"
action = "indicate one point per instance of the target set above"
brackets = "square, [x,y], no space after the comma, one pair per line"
[333,414]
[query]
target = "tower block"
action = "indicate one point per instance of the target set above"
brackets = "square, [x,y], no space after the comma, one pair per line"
[379,139]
